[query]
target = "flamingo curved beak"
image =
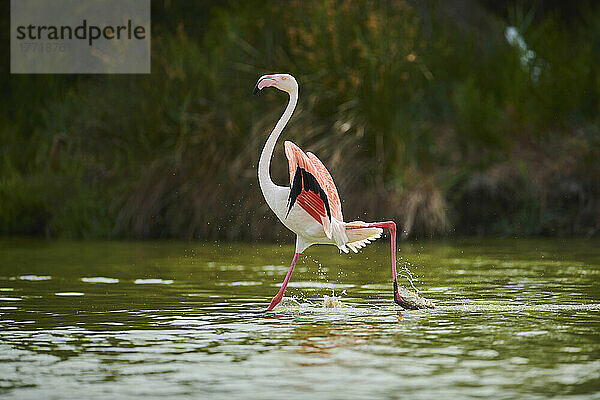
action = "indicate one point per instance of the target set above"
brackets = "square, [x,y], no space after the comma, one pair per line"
[263,82]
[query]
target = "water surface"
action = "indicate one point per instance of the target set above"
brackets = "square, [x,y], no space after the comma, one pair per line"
[516,319]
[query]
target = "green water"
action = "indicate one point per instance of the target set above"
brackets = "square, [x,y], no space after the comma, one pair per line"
[516,319]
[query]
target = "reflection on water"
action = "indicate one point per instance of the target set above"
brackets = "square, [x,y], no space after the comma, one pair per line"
[514,319]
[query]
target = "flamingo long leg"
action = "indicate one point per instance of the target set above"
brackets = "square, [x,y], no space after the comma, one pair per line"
[277,299]
[391,225]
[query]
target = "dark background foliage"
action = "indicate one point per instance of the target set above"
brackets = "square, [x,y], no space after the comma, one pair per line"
[424,111]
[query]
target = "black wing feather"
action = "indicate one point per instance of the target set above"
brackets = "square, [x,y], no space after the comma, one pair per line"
[310,184]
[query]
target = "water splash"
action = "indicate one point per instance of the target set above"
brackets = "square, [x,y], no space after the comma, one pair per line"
[321,271]
[332,302]
[407,274]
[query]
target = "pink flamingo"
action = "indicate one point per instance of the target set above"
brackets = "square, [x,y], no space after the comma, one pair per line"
[311,207]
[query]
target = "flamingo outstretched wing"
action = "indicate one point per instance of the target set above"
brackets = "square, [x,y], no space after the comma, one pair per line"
[312,187]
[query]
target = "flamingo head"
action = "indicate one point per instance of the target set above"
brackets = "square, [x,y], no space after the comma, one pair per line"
[284,82]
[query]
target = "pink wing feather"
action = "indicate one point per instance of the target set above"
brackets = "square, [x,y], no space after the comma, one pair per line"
[329,187]
[312,187]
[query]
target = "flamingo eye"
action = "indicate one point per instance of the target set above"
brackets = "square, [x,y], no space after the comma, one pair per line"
[283,78]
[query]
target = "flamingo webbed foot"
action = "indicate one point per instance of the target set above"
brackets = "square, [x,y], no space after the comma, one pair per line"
[410,300]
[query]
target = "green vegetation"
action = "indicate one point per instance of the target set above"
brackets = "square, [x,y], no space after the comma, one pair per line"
[431,115]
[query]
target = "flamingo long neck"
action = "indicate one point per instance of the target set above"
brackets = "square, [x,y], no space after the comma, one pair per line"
[264,164]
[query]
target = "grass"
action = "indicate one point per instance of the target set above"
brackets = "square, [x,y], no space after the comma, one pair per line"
[433,121]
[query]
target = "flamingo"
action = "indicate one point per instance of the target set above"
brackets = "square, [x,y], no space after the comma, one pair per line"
[311,206]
